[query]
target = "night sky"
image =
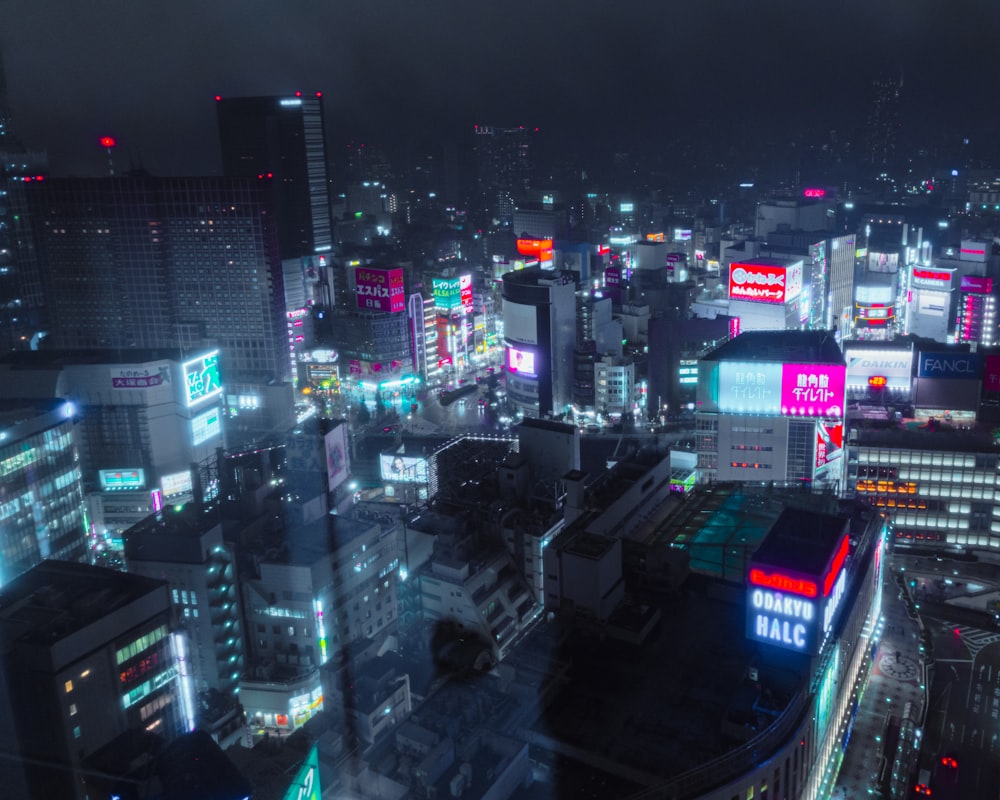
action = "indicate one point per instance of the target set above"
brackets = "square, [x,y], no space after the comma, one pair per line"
[619,72]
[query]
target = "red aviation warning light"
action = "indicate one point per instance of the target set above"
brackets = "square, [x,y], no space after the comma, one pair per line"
[108,141]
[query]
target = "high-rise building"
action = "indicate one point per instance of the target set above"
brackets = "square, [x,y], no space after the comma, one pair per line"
[143,435]
[883,123]
[88,655]
[185,548]
[771,408]
[503,168]
[539,317]
[281,142]
[41,503]
[19,297]
[182,263]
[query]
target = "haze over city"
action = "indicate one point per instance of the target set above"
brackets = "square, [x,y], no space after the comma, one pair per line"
[499,401]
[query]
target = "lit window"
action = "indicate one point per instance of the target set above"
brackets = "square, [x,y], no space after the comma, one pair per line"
[69,686]
[72,709]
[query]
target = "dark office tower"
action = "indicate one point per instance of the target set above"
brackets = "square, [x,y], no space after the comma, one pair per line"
[19,298]
[88,655]
[883,124]
[503,168]
[281,142]
[146,262]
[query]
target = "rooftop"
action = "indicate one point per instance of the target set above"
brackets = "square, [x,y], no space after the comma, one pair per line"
[56,599]
[805,347]
[801,540]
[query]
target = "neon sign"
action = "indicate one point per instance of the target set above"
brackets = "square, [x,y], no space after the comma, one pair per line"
[781,620]
[783,583]
[814,193]
[835,567]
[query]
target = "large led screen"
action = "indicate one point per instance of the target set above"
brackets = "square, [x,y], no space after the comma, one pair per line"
[116,479]
[812,390]
[520,361]
[403,469]
[749,387]
[763,283]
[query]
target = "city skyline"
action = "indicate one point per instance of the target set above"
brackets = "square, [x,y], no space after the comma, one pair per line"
[390,73]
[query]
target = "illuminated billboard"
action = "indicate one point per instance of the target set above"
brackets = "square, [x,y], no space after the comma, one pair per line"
[447,293]
[612,277]
[206,426]
[117,479]
[896,366]
[403,469]
[682,234]
[749,387]
[201,377]
[465,292]
[306,785]
[882,262]
[976,284]
[337,459]
[764,283]
[946,364]
[520,361]
[792,609]
[922,278]
[812,390]
[176,483]
[829,448]
[380,289]
[536,248]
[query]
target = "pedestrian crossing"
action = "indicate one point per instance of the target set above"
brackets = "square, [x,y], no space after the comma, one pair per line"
[976,639]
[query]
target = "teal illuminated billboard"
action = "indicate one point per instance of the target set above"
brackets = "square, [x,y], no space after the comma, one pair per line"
[201,377]
[306,783]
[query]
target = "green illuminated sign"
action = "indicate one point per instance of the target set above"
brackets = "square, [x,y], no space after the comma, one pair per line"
[306,783]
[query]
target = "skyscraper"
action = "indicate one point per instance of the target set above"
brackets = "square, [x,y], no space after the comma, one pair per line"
[883,124]
[503,168]
[18,168]
[281,142]
[145,262]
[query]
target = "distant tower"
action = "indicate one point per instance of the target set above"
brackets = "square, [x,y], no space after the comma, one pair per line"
[20,293]
[883,124]
[281,141]
[503,168]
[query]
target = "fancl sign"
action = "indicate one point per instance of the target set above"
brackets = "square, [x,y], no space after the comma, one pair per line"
[948,365]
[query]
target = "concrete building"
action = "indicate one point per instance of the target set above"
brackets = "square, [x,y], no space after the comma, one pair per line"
[148,424]
[185,263]
[88,654]
[314,591]
[771,408]
[185,548]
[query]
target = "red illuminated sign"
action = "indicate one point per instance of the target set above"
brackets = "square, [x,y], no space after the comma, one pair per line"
[931,275]
[541,248]
[973,252]
[783,583]
[603,249]
[814,193]
[765,284]
[877,381]
[835,567]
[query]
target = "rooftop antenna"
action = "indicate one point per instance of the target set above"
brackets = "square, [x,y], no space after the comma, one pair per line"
[109,143]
